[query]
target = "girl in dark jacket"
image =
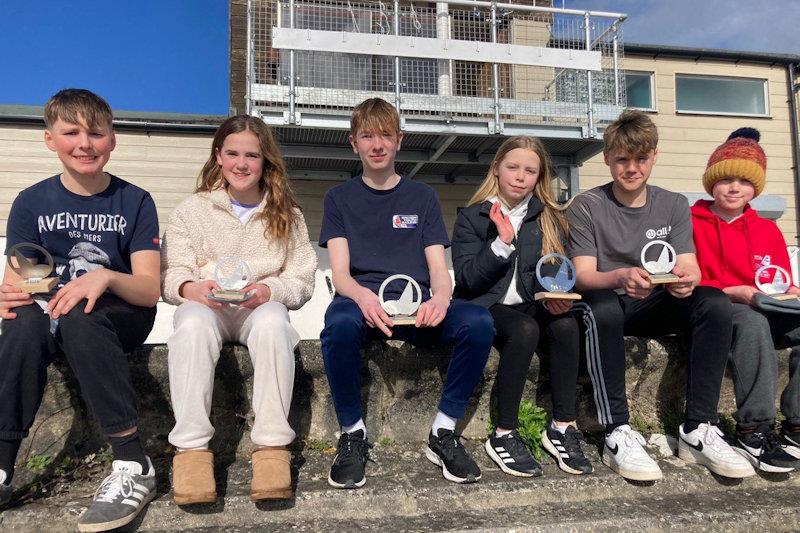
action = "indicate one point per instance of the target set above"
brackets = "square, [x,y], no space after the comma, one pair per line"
[510,223]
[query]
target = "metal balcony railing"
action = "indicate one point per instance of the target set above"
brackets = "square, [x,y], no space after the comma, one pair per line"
[456,63]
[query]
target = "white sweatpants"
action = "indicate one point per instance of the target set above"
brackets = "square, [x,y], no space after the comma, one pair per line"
[194,349]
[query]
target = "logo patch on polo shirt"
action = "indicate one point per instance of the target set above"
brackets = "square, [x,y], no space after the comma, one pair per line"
[405,221]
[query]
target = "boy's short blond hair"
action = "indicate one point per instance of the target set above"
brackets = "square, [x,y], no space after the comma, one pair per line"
[633,132]
[70,105]
[374,115]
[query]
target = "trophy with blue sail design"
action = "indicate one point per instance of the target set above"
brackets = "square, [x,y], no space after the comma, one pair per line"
[660,270]
[232,274]
[779,284]
[559,286]
[34,275]
[402,311]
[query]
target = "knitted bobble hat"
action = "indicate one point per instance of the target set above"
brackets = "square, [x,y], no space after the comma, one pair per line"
[738,157]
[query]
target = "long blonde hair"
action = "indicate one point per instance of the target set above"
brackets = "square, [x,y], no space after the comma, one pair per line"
[278,214]
[552,220]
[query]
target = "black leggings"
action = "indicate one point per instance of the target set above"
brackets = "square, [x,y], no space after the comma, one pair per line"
[94,345]
[518,334]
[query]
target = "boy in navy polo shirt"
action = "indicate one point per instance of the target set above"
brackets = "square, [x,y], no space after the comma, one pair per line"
[102,233]
[374,226]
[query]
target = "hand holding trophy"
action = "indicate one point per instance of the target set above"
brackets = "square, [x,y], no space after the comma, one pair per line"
[402,311]
[778,286]
[34,275]
[232,274]
[660,270]
[558,287]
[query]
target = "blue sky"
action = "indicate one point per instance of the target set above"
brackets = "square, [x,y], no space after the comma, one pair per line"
[142,55]
[172,55]
[745,25]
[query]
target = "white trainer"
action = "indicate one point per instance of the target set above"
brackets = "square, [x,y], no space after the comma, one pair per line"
[705,446]
[624,453]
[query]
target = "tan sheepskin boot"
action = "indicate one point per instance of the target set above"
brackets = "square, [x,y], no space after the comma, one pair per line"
[272,474]
[193,477]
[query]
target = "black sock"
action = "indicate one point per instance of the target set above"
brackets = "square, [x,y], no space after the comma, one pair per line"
[129,448]
[690,425]
[8,455]
[611,427]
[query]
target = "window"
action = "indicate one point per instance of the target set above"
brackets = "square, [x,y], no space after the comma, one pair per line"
[639,90]
[721,96]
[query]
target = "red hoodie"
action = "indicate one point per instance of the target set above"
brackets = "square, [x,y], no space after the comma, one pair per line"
[730,254]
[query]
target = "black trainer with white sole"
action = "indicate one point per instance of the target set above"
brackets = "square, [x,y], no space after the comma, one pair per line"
[566,450]
[348,470]
[764,451]
[511,454]
[445,450]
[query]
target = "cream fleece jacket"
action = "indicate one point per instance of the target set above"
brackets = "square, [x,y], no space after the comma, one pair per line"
[203,229]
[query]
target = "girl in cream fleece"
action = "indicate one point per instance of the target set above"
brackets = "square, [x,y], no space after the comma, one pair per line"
[242,207]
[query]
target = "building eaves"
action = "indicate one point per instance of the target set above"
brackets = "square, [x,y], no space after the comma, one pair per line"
[656,50]
[124,120]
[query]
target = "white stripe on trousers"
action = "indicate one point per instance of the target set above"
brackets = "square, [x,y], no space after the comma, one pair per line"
[594,363]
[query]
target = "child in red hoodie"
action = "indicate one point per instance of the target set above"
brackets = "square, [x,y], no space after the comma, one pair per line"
[732,243]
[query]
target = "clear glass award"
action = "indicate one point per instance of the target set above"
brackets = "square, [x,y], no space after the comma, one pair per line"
[34,275]
[660,269]
[779,284]
[403,311]
[232,275]
[558,286]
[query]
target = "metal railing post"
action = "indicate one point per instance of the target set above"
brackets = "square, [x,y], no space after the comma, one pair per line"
[495,74]
[397,58]
[615,38]
[292,85]
[444,85]
[248,94]
[589,96]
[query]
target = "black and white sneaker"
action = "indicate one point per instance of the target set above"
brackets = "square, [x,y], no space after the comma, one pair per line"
[566,449]
[791,439]
[120,498]
[5,490]
[446,450]
[511,454]
[349,465]
[764,451]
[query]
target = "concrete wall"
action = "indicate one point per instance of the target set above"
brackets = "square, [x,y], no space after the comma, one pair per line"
[687,140]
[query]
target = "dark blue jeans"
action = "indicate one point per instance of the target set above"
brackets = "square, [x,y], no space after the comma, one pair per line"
[467,326]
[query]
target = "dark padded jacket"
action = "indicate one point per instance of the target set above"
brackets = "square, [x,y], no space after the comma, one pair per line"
[481,276]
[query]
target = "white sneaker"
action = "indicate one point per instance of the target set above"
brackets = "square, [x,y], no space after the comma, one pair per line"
[624,453]
[5,490]
[705,446]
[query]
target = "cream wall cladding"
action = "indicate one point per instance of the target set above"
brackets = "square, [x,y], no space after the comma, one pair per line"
[166,165]
[686,140]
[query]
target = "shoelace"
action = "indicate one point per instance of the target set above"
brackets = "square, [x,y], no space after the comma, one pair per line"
[451,443]
[572,441]
[116,483]
[352,444]
[713,439]
[514,442]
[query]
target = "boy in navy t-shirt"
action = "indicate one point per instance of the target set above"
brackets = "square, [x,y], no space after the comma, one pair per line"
[374,226]
[102,233]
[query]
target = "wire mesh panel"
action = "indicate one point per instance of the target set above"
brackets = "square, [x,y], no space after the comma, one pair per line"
[426,85]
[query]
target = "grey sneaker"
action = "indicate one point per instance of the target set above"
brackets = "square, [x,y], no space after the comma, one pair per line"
[120,497]
[5,490]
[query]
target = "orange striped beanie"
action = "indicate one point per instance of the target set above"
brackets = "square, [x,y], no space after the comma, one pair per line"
[738,157]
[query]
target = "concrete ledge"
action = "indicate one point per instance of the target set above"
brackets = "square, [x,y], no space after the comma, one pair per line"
[401,387]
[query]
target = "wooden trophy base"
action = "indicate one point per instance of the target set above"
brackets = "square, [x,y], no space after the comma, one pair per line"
[229,296]
[43,285]
[663,279]
[556,296]
[783,297]
[404,320]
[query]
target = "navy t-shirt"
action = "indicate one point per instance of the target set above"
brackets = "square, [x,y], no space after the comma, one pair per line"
[84,233]
[386,231]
